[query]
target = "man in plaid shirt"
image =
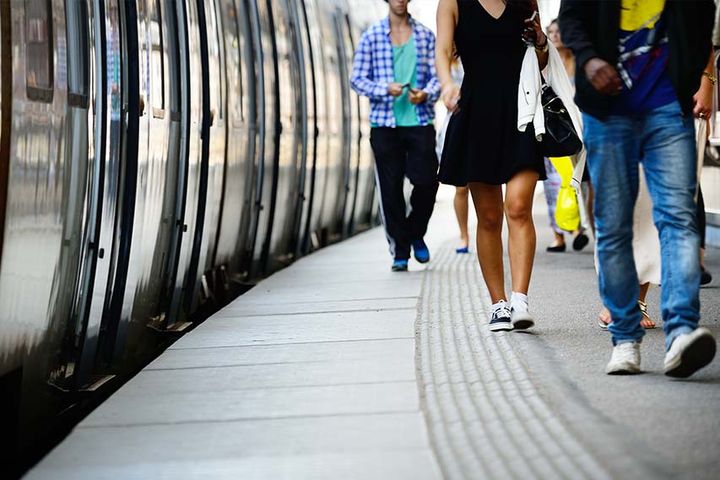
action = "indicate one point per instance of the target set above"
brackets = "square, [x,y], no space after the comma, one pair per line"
[394,66]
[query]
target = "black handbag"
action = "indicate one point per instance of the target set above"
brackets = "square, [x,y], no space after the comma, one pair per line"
[560,138]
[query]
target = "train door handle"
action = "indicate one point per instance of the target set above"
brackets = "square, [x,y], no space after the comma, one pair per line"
[212,117]
[141,106]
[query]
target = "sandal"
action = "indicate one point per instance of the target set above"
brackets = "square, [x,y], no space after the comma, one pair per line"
[648,322]
[604,319]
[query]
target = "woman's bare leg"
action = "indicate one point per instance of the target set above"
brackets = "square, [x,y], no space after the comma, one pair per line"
[488,203]
[461,212]
[521,229]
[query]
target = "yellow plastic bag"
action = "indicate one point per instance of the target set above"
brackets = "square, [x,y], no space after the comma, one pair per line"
[567,211]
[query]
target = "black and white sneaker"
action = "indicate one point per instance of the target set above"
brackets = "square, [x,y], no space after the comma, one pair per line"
[500,319]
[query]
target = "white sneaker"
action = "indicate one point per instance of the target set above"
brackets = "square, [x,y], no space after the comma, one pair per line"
[500,319]
[689,353]
[625,359]
[521,319]
[519,314]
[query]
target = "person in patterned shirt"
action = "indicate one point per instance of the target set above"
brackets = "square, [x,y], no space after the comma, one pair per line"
[394,66]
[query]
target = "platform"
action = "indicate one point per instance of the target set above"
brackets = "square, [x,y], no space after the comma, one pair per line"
[337,368]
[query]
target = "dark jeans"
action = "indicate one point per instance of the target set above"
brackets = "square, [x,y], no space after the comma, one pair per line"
[405,152]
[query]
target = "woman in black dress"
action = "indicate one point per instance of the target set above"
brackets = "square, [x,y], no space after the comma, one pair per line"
[483,147]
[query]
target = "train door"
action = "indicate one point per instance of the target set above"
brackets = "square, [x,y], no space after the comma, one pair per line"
[190,160]
[214,128]
[47,160]
[173,205]
[84,145]
[269,132]
[150,238]
[351,121]
[289,168]
[334,199]
[319,173]
[94,282]
[111,328]
[308,60]
[240,166]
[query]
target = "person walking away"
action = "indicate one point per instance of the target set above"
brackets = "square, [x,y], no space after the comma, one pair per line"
[394,68]
[484,148]
[638,65]
[551,185]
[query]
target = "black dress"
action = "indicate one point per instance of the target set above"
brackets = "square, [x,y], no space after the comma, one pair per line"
[482,142]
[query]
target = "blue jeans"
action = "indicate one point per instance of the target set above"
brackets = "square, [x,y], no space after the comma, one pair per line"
[664,141]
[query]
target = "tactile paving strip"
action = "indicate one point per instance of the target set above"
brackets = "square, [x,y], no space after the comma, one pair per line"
[485,416]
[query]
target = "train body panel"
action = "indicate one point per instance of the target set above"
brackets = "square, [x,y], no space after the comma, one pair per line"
[159,154]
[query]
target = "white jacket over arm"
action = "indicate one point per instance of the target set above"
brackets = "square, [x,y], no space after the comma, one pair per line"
[530,103]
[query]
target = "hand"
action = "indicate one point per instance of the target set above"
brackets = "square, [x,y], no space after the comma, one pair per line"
[417,96]
[703,99]
[603,76]
[533,32]
[451,96]
[395,89]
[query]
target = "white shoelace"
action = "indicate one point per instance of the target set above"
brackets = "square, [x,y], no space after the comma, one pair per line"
[501,311]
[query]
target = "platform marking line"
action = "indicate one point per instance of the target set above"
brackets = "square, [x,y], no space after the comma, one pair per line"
[485,416]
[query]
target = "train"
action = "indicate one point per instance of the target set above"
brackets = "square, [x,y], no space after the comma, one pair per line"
[157,157]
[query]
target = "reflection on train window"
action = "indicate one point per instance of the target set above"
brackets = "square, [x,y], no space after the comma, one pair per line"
[234,48]
[157,57]
[214,51]
[38,50]
[77,46]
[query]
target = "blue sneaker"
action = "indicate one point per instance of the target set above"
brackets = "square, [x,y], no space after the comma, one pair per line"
[399,265]
[422,254]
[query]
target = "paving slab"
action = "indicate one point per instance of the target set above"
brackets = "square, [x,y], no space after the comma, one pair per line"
[93,450]
[390,464]
[313,327]
[390,352]
[132,407]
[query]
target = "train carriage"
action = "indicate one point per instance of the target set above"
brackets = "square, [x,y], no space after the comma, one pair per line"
[156,157]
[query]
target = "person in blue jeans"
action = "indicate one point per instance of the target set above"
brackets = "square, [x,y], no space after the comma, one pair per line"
[394,66]
[638,66]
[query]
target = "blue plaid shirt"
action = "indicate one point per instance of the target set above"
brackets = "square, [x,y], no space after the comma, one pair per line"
[373,71]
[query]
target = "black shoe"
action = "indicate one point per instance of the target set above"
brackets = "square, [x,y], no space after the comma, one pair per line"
[705,276]
[556,248]
[580,242]
[500,320]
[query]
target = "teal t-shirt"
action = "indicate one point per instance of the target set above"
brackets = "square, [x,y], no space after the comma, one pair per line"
[405,70]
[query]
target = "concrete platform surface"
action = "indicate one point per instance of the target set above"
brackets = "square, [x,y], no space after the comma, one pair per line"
[338,368]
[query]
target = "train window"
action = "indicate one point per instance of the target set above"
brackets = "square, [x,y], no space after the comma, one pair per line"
[157,56]
[234,49]
[173,58]
[77,50]
[38,50]
[215,51]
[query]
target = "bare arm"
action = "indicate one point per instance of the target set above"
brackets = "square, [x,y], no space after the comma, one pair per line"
[447,14]
[539,39]
[703,97]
